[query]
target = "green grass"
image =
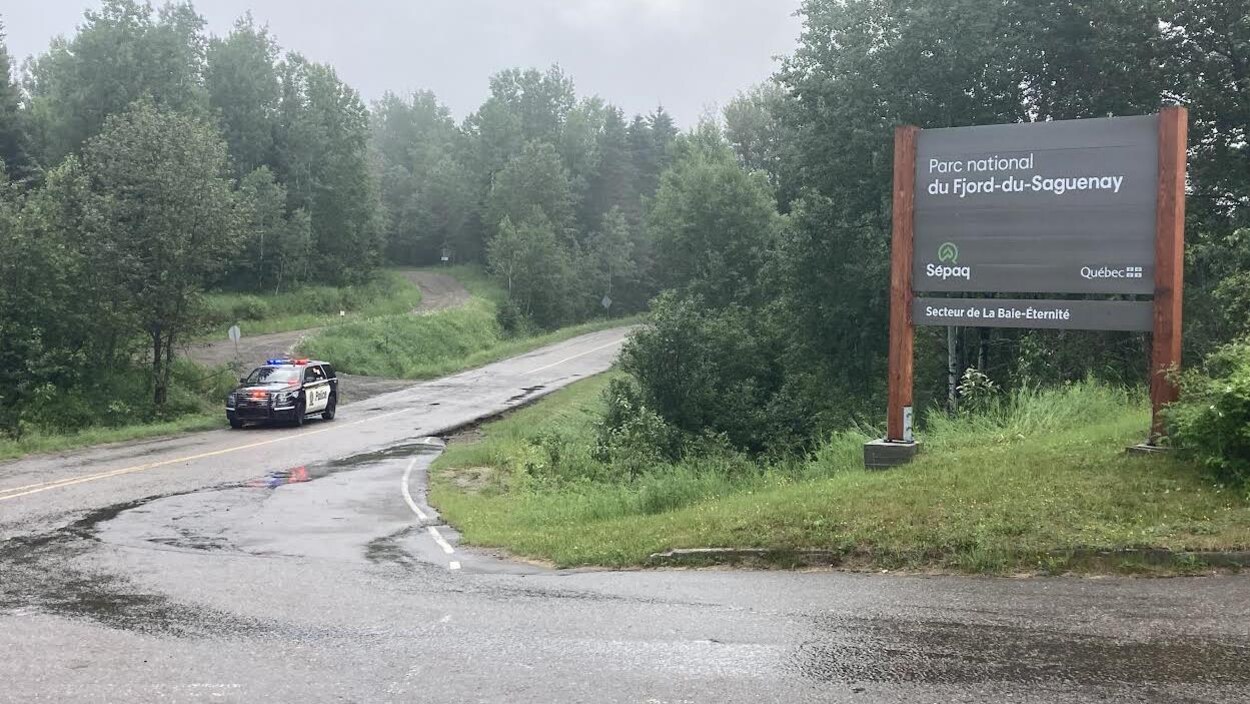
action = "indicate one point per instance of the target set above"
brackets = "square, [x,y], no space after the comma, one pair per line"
[437,344]
[117,407]
[41,443]
[1030,486]
[311,306]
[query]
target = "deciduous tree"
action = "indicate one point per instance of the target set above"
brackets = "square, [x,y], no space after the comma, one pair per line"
[168,219]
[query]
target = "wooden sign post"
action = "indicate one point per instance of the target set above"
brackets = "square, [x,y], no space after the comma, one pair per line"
[1165,348]
[1067,207]
[902,249]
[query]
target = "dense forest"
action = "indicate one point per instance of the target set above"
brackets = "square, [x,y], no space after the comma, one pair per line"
[147,162]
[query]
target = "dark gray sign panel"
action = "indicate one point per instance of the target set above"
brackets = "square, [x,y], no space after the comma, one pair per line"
[1017,313]
[1049,207]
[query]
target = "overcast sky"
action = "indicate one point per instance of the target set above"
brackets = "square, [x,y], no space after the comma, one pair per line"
[690,55]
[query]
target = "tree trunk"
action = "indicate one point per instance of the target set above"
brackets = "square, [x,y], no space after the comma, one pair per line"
[160,391]
[952,369]
[168,370]
[983,350]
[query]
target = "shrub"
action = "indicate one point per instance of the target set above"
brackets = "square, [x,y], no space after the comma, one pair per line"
[250,308]
[977,392]
[631,437]
[705,369]
[1211,422]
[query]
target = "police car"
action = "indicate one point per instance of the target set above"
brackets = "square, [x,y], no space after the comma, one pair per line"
[284,390]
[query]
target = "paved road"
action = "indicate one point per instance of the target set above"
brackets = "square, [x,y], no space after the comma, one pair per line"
[304,565]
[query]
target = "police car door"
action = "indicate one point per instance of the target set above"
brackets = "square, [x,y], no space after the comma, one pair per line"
[316,389]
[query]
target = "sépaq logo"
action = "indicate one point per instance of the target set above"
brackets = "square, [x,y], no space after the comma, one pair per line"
[948,254]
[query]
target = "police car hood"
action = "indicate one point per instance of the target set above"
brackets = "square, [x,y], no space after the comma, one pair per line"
[275,386]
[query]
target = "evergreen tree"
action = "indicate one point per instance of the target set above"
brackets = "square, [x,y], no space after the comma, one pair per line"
[613,185]
[645,157]
[664,132]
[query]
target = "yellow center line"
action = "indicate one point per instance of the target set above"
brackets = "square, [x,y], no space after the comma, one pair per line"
[56,484]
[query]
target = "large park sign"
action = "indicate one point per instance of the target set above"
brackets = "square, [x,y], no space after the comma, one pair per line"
[1087,214]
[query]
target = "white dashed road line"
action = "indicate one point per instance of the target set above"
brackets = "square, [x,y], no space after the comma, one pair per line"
[438,538]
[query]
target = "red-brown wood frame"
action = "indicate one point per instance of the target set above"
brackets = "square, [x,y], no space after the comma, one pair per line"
[901,253]
[1165,347]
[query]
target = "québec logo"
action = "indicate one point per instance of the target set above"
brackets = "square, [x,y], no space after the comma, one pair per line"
[1107,272]
[948,255]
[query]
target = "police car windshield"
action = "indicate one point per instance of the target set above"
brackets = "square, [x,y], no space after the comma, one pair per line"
[273,375]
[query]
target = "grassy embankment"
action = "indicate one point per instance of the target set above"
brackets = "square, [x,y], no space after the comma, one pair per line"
[311,306]
[433,345]
[1031,487]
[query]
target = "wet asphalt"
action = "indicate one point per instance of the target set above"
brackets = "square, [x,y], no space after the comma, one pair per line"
[285,565]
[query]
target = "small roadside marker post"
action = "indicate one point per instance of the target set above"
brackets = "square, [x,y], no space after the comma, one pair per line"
[234,333]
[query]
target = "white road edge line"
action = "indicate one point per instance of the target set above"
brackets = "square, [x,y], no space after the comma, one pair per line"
[408,494]
[438,538]
[570,359]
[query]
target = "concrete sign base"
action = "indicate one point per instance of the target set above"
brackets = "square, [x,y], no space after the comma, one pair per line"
[883,454]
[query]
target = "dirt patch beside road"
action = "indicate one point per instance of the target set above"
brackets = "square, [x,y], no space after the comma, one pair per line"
[438,291]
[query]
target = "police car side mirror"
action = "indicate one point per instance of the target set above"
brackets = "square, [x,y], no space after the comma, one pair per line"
[242,380]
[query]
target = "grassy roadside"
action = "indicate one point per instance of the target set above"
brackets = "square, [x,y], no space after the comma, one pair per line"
[311,306]
[437,344]
[41,443]
[118,409]
[1014,490]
